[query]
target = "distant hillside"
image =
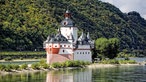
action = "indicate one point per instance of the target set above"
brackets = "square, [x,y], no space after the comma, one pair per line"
[25,24]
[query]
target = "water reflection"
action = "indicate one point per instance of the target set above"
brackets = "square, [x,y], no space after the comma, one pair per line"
[109,74]
[81,75]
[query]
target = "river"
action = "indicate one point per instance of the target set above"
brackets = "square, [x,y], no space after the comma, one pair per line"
[107,74]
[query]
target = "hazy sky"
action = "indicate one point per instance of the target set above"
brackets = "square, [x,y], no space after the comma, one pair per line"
[130,5]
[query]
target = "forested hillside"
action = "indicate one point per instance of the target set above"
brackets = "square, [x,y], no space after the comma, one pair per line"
[25,24]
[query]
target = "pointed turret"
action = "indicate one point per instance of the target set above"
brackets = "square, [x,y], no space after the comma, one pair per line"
[88,36]
[67,14]
[67,22]
[81,37]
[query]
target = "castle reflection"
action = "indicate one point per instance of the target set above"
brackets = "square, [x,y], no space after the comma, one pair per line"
[80,75]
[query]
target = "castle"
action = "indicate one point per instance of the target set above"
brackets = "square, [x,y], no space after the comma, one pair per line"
[66,45]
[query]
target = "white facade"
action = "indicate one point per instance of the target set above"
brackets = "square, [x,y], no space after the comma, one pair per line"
[66,45]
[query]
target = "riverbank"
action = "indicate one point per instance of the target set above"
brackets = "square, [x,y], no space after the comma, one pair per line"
[97,65]
[94,65]
[41,65]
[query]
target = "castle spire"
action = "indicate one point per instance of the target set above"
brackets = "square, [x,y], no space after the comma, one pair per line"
[88,36]
[67,14]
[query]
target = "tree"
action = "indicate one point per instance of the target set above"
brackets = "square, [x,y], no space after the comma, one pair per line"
[107,48]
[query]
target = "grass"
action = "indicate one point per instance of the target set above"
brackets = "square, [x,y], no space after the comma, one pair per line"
[22,54]
[114,61]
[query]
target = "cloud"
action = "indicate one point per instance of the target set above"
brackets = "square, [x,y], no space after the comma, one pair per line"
[130,5]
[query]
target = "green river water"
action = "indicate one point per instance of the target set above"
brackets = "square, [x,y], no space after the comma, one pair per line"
[108,74]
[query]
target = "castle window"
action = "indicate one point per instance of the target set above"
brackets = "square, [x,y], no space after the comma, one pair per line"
[88,52]
[50,49]
[63,51]
[60,45]
[55,45]
[64,45]
[50,45]
[83,52]
[77,52]
[69,46]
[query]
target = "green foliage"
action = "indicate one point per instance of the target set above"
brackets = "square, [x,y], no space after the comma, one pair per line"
[15,67]
[43,64]
[56,65]
[70,64]
[24,66]
[8,55]
[2,67]
[8,59]
[114,61]
[8,68]
[107,48]
[42,61]
[35,66]
[127,61]
[25,24]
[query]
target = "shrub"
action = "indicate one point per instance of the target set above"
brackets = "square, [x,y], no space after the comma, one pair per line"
[35,66]
[21,58]
[8,68]
[87,63]
[56,65]
[42,61]
[23,66]
[109,61]
[44,65]
[76,63]
[15,67]
[8,59]
[69,63]
[127,58]
[63,64]
[2,67]
[82,63]
[131,61]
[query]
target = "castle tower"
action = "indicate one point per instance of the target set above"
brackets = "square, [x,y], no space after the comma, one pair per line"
[67,28]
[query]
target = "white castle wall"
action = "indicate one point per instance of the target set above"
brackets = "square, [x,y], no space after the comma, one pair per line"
[67,31]
[83,53]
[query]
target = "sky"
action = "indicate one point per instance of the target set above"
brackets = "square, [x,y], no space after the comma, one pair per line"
[130,5]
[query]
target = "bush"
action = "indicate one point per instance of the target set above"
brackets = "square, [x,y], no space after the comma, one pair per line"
[8,68]
[127,58]
[118,62]
[44,65]
[87,63]
[56,65]
[8,59]
[35,66]
[2,67]
[23,66]
[109,61]
[42,61]
[15,67]
[69,64]
[21,58]
[76,63]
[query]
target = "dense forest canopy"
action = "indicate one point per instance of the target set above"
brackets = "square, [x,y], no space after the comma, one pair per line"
[25,24]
